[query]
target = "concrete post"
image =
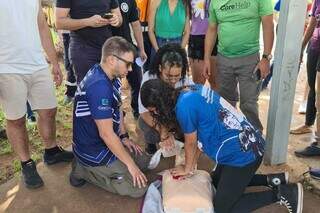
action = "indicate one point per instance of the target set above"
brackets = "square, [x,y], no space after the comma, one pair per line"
[287,56]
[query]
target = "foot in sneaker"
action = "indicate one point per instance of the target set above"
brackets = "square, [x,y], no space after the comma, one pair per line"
[291,196]
[315,173]
[74,178]
[309,151]
[30,175]
[60,156]
[277,179]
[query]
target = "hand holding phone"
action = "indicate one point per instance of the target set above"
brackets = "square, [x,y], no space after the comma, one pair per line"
[107,15]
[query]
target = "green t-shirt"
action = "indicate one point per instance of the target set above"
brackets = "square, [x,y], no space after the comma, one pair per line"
[239,24]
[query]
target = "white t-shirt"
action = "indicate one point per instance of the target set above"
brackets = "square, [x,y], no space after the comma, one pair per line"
[146,77]
[20,45]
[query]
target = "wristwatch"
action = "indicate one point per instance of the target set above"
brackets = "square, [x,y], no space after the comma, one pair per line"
[123,136]
[267,56]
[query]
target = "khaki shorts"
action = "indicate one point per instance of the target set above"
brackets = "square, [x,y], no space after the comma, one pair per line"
[17,89]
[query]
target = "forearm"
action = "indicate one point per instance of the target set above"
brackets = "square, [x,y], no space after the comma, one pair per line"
[122,126]
[309,31]
[137,33]
[68,23]
[268,34]
[47,43]
[192,154]
[210,40]
[186,34]
[153,39]
[114,144]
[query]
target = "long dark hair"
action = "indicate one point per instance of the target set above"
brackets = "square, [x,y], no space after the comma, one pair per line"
[170,55]
[160,95]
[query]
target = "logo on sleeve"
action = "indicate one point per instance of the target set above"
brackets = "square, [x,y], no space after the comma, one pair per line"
[104,102]
[124,7]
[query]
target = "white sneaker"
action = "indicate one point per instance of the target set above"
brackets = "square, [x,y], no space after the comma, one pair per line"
[303,107]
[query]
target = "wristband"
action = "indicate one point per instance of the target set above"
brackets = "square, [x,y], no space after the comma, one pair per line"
[123,136]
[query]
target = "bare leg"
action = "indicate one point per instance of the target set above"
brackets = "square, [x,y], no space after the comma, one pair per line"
[18,137]
[47,126]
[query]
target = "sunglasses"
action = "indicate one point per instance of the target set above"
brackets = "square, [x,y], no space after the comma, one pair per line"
[128,63]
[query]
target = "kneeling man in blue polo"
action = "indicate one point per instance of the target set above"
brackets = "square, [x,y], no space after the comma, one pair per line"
[105,156]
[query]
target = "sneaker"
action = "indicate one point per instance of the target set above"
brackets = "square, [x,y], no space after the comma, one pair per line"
[275,180]
[315,173]
[291,196]
[73,179]
[67,100]
[301,130]
[61,156]
[302,108]
[309,151]
[30,176]
[151,148]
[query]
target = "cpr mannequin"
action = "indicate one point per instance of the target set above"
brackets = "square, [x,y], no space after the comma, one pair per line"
[191,195]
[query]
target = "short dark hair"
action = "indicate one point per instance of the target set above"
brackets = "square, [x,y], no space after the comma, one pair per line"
[116,45]
[170,55]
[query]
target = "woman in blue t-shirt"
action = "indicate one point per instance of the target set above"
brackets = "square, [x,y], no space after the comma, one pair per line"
[211,125]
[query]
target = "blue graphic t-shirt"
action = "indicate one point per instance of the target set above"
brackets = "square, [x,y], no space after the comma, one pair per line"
[224,133]
[97,97]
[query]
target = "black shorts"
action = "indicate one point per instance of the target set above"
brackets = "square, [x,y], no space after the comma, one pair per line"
[196,47]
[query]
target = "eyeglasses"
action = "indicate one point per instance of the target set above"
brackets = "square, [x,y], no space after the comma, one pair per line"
[128,63]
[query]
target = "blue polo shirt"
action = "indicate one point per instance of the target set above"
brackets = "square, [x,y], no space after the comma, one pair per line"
[97,97]
[224,133]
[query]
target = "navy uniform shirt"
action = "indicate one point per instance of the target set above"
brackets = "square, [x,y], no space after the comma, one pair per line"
[129,12]
[97,97]
[79,9]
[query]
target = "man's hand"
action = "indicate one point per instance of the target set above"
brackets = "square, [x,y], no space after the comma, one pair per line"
[206,68]
[57,74]
[132,146]
[97,21]
[168,142]
[264,66]
[143,55]
[137,176]
[181,172]
[114,21]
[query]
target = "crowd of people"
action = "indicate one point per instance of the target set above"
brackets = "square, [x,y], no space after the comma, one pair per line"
[154,44]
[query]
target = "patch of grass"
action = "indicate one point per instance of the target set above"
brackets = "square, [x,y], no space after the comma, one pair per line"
[5,147]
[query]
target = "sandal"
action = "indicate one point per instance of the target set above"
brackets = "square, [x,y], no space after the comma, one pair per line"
[301,130]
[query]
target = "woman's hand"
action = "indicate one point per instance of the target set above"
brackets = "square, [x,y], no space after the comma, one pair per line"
[180,172]
[167,142]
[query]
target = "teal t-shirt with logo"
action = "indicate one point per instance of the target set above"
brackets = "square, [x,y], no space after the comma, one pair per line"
[239,24]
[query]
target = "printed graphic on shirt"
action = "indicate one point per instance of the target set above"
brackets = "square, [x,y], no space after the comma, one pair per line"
[199,8]
[248,137]
[234,120]
[235,6]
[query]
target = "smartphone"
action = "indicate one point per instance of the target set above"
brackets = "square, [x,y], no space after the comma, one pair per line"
[257,74]
[107,15]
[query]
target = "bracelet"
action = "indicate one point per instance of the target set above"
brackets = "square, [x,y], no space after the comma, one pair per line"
[123,136]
